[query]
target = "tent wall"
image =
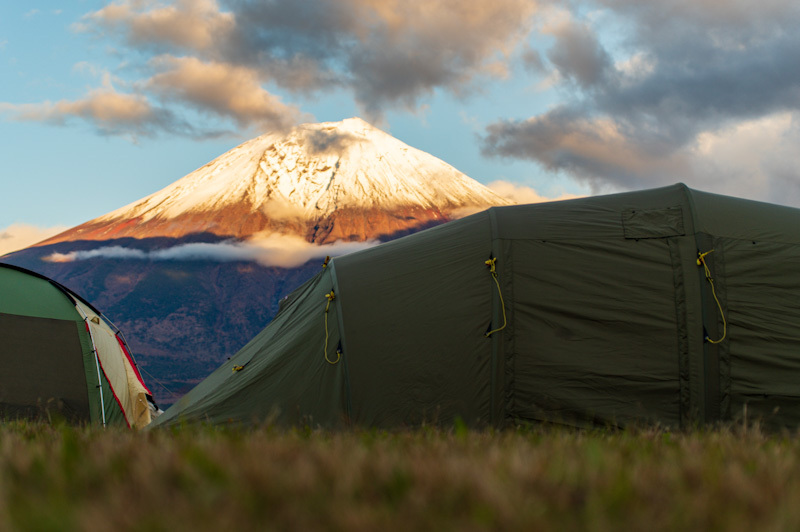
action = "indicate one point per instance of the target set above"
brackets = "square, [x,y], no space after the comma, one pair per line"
[415,313]
[596,332]
[284,376]
[757,284]
[49,379]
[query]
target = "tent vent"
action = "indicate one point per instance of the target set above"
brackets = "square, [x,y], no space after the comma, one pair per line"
[653,223]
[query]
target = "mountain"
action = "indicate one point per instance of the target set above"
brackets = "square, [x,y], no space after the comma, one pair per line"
[195,270]
[325,182]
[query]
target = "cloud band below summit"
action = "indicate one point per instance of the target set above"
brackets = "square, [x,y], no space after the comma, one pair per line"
[284,251]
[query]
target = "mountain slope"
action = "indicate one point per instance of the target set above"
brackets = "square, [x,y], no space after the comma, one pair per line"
[332,181]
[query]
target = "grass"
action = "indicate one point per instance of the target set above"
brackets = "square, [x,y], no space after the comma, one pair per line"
[543,478]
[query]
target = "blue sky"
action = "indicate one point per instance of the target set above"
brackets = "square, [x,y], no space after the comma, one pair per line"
[102,103]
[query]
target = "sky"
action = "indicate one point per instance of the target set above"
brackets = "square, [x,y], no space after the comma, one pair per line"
[103,103]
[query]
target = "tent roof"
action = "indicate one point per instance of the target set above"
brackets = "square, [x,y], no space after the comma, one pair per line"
[28,296]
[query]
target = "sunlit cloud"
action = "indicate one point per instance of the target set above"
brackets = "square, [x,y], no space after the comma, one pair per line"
[195,59]
[227,90]
[107,109]
[186,24]
[388,53]
[522,194]
[19,236]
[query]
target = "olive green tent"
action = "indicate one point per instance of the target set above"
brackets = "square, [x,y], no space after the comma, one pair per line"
[667,306]
[61,357]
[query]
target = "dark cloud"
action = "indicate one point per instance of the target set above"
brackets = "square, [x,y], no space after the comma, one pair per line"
[686,74]
[578,55]
[321,141]
[532,60]
[600,152]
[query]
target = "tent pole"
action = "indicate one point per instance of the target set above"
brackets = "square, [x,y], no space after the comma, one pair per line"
[96,364]
[100,382]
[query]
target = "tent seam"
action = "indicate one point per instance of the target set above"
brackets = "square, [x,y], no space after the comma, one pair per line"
[340,323]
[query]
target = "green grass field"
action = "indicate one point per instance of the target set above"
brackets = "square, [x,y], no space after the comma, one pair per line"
[543,478]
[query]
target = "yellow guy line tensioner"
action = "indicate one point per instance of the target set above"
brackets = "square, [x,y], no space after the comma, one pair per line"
[330,297]
[701,261]
[492,263]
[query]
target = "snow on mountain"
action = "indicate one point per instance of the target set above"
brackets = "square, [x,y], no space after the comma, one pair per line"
[336,180]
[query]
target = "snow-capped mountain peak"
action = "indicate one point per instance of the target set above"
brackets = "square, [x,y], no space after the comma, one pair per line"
[299,182]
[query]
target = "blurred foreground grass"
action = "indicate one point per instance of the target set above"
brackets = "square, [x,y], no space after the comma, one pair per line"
[201,478]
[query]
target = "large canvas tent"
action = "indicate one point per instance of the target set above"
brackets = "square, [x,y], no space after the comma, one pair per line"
[667,306]
[60,357]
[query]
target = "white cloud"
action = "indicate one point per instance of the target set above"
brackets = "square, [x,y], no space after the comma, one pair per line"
[284,251]
[522,194]
[635,68]
[19,236]
[278,209]
[753,158]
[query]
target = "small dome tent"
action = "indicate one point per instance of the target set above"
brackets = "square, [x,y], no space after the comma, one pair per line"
[668,306]
[60,356]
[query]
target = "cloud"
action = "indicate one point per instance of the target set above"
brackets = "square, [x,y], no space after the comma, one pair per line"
[598,151]
[752,158]
[405,50]
[282,209]
[684,76]
[388,52]
[229,63]
[224,89]
[109,252]
[185,25]
[108,110]
[522,194]
[322,141]
[283,251]
[577,54]
[19,236]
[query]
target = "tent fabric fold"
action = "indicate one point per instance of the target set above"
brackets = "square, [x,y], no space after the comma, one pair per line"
[609,316]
